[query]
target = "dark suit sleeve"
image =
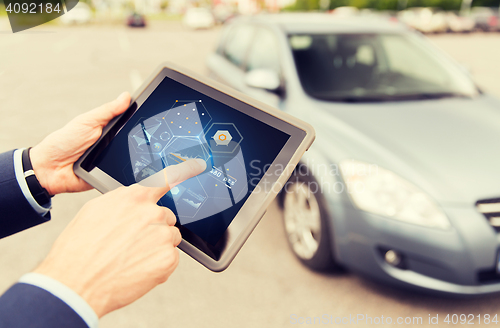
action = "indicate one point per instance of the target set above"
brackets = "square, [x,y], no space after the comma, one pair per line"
[27,306]
[16,213]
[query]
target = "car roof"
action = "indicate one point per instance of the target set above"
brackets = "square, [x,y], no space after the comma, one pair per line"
[294,23]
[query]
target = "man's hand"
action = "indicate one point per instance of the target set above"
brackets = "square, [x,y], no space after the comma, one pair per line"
[54,157]
[120,245]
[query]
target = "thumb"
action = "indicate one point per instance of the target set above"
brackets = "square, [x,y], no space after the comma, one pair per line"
[161,182]
[105,113]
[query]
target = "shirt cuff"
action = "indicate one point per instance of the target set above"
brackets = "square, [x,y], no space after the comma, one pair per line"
[21,180]
[64,293]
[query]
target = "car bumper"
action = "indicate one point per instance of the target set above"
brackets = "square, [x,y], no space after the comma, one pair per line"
[454,261]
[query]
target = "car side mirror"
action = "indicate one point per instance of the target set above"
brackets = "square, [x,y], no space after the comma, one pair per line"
[263,79]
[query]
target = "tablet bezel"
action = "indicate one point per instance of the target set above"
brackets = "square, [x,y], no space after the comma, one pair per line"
[301,137]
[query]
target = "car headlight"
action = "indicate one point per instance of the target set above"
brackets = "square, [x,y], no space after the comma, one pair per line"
[381,191]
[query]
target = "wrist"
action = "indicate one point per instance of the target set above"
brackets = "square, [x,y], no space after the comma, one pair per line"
[40,168]
[65,294]
[75,282]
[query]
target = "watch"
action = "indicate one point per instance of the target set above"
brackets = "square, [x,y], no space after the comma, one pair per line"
[39,193]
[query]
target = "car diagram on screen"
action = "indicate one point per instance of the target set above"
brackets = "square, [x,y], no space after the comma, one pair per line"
[177,135]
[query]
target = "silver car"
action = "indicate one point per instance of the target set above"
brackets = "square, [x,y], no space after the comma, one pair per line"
[403,182]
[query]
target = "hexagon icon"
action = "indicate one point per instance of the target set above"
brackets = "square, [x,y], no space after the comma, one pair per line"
[222,137]
[215,135]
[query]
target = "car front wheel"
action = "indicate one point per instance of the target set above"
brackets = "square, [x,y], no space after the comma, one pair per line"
[306,223]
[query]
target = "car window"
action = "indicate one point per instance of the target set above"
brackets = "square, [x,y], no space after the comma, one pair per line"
[375,66]
[400,52]
[237,43]
[264,52]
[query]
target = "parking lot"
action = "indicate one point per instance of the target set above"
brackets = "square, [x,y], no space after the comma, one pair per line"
[50,74]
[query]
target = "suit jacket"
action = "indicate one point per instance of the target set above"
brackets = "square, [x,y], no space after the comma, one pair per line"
[24,305]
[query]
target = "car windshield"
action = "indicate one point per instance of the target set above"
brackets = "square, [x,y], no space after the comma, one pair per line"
[376,67]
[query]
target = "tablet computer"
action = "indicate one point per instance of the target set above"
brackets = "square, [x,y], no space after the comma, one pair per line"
[250,149]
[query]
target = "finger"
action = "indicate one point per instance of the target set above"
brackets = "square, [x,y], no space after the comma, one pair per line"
[166,218]
[105,113]
[161,182]
[170,235]
[171,219]
[176,236]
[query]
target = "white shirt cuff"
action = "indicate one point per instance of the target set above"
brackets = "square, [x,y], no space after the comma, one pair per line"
[64,293]
[18,169]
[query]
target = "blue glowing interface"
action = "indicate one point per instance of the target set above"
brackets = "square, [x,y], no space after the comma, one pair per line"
[177,123]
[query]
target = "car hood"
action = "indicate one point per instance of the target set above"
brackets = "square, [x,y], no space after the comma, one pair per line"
[448,147]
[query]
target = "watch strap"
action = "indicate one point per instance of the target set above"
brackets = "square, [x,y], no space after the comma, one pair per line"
[40,194]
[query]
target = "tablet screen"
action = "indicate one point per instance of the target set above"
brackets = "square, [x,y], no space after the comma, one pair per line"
[176,123]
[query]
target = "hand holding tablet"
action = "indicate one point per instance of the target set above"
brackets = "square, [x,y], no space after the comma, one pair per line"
[178,119]
[120,245]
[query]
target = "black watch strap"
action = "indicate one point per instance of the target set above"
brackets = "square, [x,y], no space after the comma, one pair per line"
[39,193]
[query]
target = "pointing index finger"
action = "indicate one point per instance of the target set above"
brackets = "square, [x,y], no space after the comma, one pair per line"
[161,182]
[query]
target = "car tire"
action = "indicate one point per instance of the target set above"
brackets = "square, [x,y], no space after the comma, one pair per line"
[306,222]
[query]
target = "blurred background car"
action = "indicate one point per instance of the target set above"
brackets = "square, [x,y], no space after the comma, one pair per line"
[223,13]
[136,20]
[425,20]
[80,14]
[486,19]
[458,23]
[198,18]
[400,184]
